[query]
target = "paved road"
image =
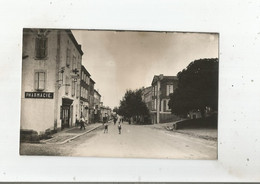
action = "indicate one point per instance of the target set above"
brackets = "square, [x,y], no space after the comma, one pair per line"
[145,142]
[134,141]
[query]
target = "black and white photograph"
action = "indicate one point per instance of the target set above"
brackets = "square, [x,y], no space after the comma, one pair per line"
[130,91]
[119,93]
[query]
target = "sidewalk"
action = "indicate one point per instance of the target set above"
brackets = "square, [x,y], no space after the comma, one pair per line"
[70,134]
[204,133]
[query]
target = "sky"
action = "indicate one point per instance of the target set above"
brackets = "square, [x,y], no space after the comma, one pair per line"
[121,60]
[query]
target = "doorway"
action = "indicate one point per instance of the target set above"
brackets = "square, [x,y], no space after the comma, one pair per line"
[65,119]
[66,110]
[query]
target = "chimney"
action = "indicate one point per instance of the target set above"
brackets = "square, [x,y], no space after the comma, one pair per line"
[160,76]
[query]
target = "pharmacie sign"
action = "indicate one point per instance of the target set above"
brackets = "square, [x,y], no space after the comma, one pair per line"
[45,95]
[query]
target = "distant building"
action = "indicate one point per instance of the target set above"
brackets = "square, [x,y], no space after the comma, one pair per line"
[84,93]
[162,87]
[147,97]
[105,112]
[51,64]
[194,114]
[91,100]
[97,111]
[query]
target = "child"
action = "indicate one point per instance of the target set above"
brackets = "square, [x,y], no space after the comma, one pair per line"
[119,128]
[106,128]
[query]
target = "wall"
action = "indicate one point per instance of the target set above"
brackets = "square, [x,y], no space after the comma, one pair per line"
[37,114]
[42,114]
[66,42]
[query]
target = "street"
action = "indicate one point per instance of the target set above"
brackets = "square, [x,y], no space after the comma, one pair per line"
[135,141]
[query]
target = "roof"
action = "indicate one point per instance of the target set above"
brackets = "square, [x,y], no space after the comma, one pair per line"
[78,46]
[85,70]
[97,92]
[147,90]
[91,80]
[162,77]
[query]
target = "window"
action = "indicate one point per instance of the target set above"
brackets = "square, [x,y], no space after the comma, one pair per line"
[81,92]
[73,62]
[67,85]
[154,90]
[169,89]
[68,58]
[77,94]
[86,94]
[167,106]
[161,105]
[73,88]
[164,105]
[61,77]
[41,47]
[88,80]
[39,81]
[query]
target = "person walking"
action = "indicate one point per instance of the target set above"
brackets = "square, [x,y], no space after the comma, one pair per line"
[105,119]
[115,119]
[82,123]
[77,121]
[106,128]
[119,128]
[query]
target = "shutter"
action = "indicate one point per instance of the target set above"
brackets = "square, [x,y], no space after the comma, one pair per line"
[66,85]
[37,47]
[41,80]
[73,88]
[36,79]
[45,48]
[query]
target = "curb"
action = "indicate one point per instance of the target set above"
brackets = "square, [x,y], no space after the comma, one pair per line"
[76,136]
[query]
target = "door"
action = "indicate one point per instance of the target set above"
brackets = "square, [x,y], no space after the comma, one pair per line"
[65,117]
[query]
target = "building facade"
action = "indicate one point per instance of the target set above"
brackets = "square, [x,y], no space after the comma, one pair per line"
[51,64]
[97,111]
[147,97]
[162,87]
[91,100]
[84,93]
[105,112]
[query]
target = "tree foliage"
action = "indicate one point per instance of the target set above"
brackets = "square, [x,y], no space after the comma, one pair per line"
[132,105]
[197,87]
[115,110]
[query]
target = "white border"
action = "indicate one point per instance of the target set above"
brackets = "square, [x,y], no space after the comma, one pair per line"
[237,21]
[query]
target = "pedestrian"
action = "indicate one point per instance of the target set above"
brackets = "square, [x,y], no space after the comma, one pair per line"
[104,120]
[115,119]
[82,123]
[77,121]
[119,128]
[106,128]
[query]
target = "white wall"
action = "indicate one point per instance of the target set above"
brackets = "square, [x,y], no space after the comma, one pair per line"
[38,114]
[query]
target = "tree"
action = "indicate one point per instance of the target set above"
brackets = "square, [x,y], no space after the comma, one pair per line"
[132,106]
[197,87]
[115,110]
